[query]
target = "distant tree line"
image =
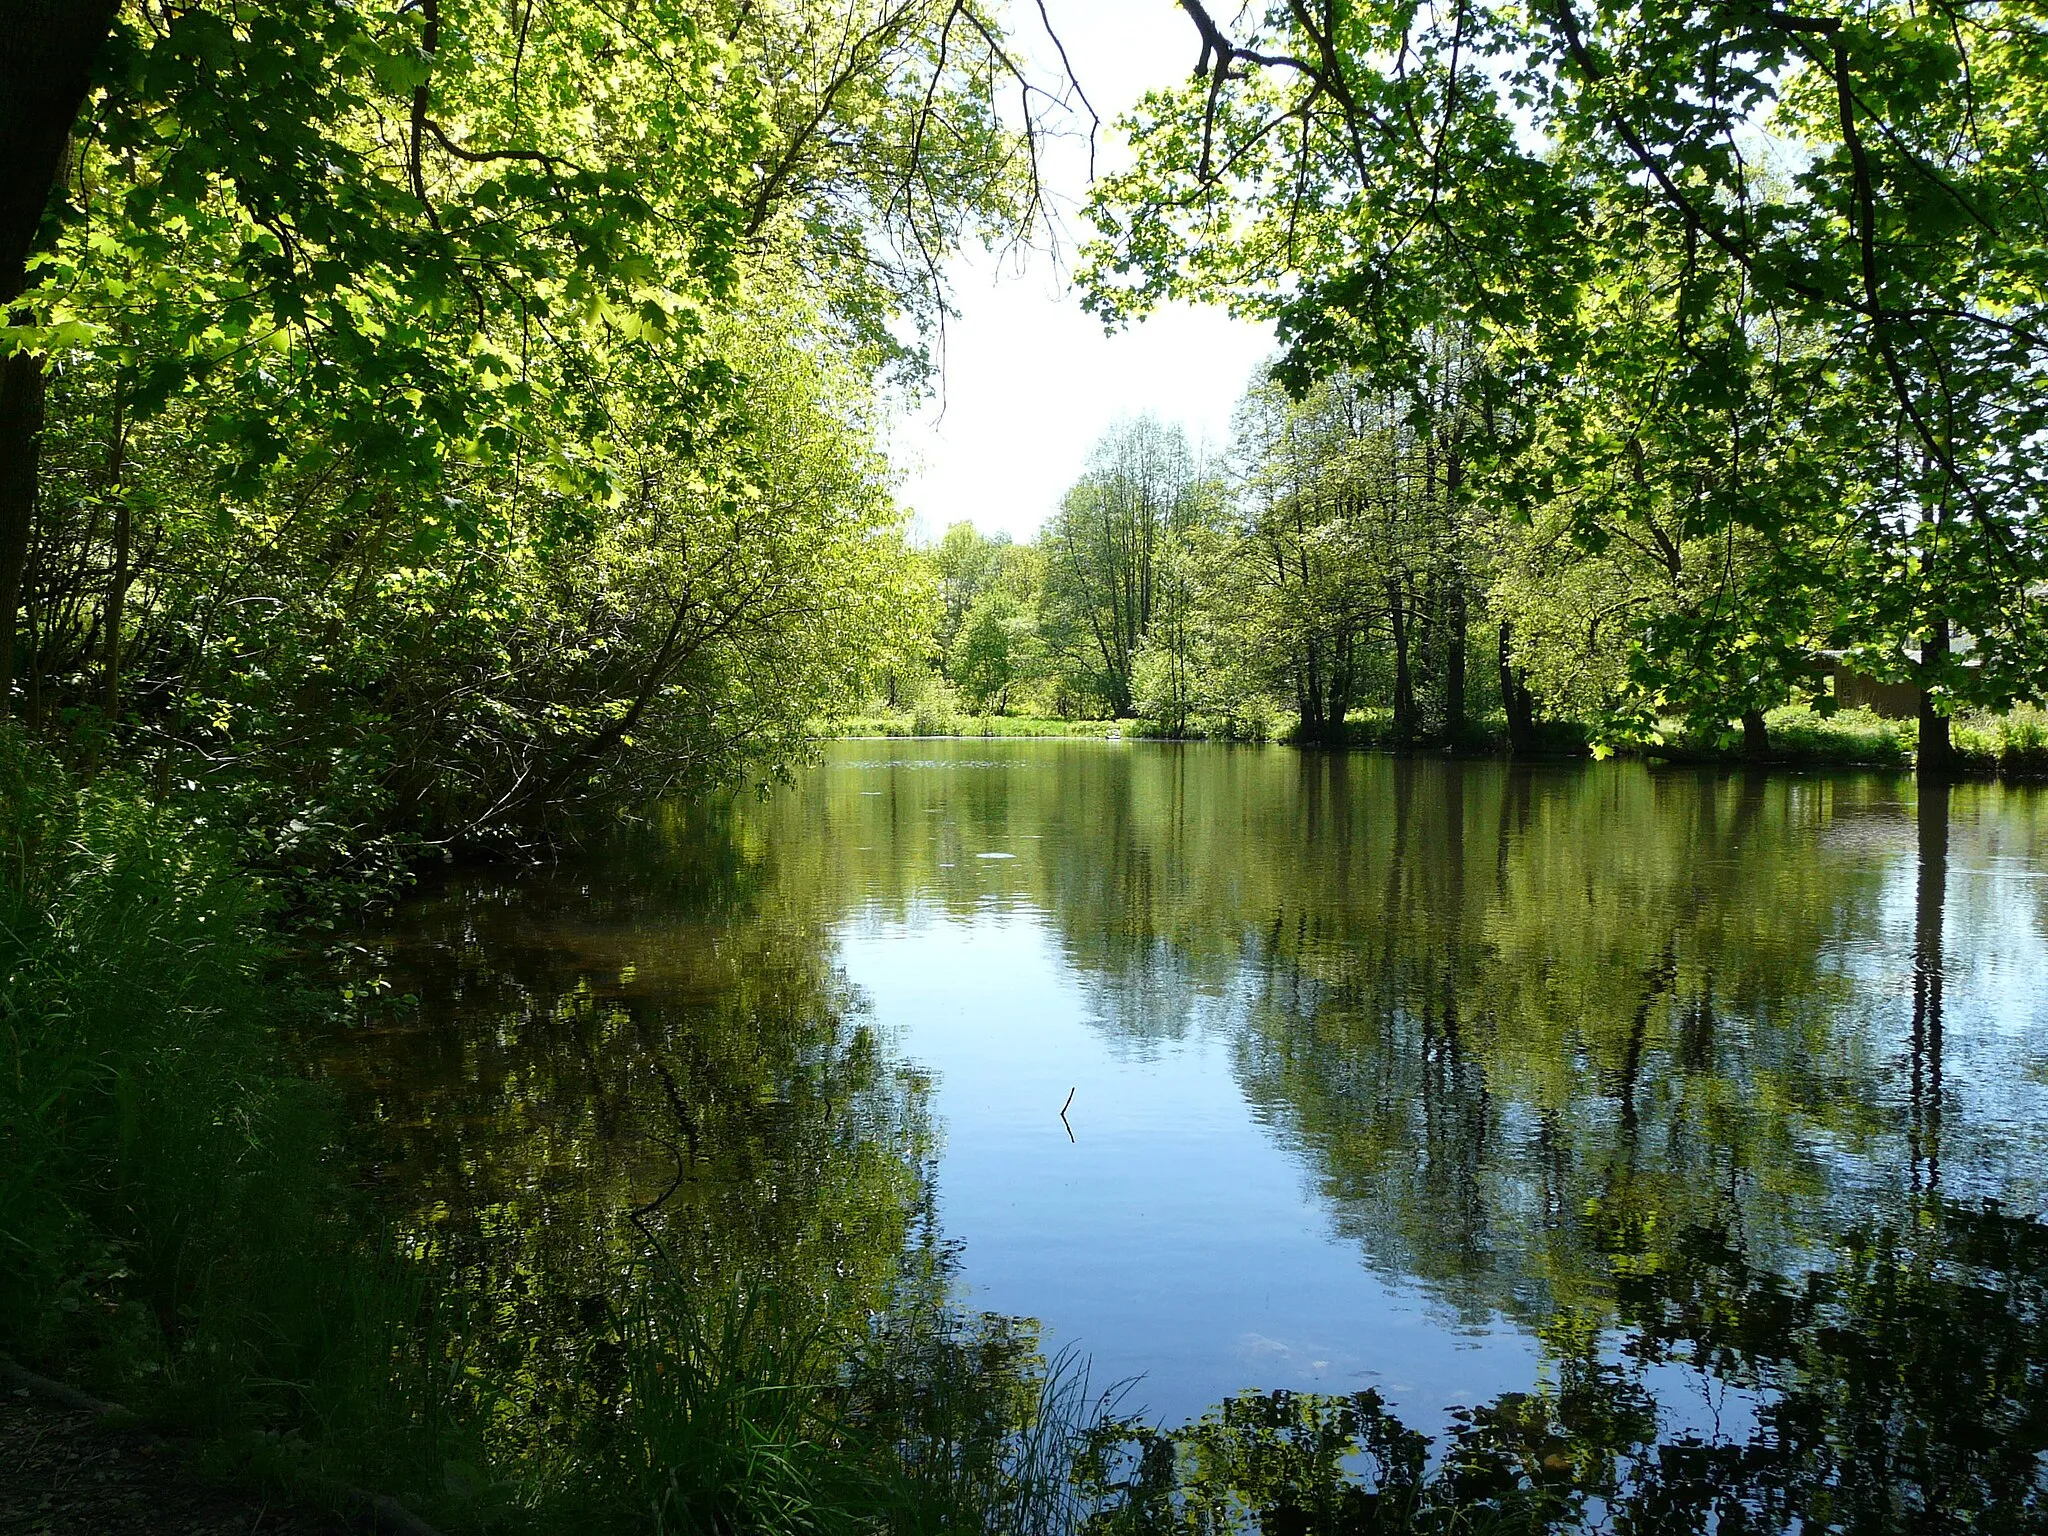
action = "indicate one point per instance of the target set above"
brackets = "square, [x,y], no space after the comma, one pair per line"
[1414,560]
[1328,564]
[1457,546]
[1638,365]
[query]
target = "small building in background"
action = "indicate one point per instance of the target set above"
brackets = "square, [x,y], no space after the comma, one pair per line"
[1859,690]
[1888,701]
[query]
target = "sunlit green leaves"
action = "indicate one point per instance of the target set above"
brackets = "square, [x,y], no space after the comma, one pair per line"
[1848,253]
[461,344]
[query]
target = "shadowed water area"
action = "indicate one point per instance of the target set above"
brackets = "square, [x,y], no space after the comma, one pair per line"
[1671,1137]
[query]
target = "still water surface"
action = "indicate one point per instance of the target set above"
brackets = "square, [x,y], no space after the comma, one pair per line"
[1714,1096]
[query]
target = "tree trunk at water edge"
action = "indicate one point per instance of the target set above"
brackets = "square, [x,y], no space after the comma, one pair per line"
[1454,668]
[1515,700]
[1935,759]
[1756,736]
[1404,678]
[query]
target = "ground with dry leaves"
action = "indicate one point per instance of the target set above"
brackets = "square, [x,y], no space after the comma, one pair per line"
[64,1472]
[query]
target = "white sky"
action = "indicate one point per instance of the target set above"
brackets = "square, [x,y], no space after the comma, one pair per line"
[1030,379]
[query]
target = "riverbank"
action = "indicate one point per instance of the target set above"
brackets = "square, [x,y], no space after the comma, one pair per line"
[71,1465]
[2013,745]
[177,1231]
[904,724]
[62,1474]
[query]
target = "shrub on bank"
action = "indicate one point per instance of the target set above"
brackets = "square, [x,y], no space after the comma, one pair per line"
[897,725]
[173,1229]
[1847,738]
[139,1101]
[2015,743]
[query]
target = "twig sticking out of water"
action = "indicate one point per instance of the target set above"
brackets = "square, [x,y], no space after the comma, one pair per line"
[1063,1113]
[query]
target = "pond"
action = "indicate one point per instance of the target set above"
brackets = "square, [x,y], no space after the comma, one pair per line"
[1594,1108]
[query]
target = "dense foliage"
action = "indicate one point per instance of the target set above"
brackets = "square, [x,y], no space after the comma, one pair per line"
[432,436]
[1755,293]
[575,1331]
[421,422]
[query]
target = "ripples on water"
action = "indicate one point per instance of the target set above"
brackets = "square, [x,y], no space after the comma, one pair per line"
[1677,1135]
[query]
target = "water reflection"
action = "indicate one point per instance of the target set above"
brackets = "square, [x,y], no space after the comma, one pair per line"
[1901,1391]
[1929,910]
[565,1076]
[1682,1127]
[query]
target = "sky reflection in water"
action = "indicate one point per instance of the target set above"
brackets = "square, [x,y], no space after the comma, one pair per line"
[1756,939]
[1645,1089]
[1178,1237]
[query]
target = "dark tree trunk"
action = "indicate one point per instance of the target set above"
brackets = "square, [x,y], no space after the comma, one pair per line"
[1515,700]
[21,423]
[1458,615]
[1404,677]
[117,591]
[46,53]
[1337,690]
[1454,666]
[1756,736]
[1311,691]
[1935,760]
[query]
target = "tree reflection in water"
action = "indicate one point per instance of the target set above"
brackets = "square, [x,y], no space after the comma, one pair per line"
[672,1202]
[1930,905]
[1903,1391]
[1900,1379]
[1612,1055]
